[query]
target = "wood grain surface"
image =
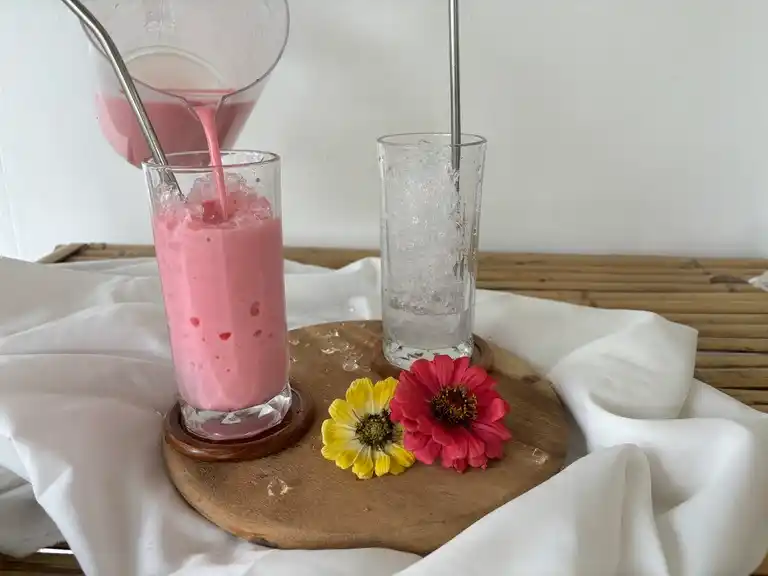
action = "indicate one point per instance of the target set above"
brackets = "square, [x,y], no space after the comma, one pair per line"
[298,500]
[705,293]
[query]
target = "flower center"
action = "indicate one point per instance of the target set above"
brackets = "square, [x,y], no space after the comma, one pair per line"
[375,430]
[454,406]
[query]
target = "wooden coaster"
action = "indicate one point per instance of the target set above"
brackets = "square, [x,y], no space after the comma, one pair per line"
[482,356]
[295,424]
[297,499]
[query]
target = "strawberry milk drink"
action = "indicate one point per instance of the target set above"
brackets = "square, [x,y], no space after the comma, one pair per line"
[220,254]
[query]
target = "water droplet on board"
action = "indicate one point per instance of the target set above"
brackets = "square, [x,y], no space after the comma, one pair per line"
[350,362]
[350,365]
[277,487]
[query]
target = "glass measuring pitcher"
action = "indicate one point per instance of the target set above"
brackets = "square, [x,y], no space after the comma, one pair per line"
[184,54]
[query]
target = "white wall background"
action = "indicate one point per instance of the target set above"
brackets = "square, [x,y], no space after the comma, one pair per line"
[632,126]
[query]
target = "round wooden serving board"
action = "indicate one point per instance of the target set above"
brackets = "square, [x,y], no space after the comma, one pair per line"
[297,499]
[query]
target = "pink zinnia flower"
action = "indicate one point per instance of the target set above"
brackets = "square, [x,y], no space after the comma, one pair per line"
[452,411]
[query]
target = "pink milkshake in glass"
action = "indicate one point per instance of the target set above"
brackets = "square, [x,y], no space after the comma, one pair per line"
[220,254]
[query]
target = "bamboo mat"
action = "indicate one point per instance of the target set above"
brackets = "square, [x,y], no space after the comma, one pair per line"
[709,294]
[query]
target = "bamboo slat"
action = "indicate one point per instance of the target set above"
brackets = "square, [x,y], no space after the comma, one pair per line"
[731,360]
[711,295]
[42,564]
[515,285]
[734,344]
[62,253]
[748,396]
[701,319]
[731,330]
[740,378]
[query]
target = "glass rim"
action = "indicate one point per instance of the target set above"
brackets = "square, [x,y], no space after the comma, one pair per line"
[267,159]
[391,139]
[97,45]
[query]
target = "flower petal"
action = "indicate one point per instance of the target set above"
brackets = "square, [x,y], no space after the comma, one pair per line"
[344,459]
[459,368]
[383,392]
[494,449]
[477,378]
[487,432]
[478,461]
[411,388]
[459,445]
[333,432]
[342,413]
[485,395]
[410,410]
[442,435]
[360,396]
[396,410]
[381,462]
[495,410]
[475,447]
[426,424]
[409,425]
[363,466]
[395,469]
[415,441]
[429,453]
[460,464]
[442,368]
[334,451]
[421,370]
[400,455]
[410,399]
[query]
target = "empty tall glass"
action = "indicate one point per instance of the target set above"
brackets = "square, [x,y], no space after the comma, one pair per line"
[429,234]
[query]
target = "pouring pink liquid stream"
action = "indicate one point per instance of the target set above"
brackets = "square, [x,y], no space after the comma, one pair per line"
[221,266]
[207,115]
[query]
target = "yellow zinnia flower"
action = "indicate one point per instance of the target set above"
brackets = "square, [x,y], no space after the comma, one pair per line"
[360,433]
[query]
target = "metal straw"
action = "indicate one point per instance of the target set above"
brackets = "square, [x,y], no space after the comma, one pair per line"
[121,70]
[455,86]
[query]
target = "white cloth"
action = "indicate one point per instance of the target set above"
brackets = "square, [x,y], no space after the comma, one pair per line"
[676,481]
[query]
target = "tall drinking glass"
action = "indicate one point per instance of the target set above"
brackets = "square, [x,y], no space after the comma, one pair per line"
[429,235]
[222,279]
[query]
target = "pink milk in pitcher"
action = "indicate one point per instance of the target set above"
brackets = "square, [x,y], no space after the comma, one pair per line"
[176,124]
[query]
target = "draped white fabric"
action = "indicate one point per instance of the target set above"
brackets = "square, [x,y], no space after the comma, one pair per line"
[675,480]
